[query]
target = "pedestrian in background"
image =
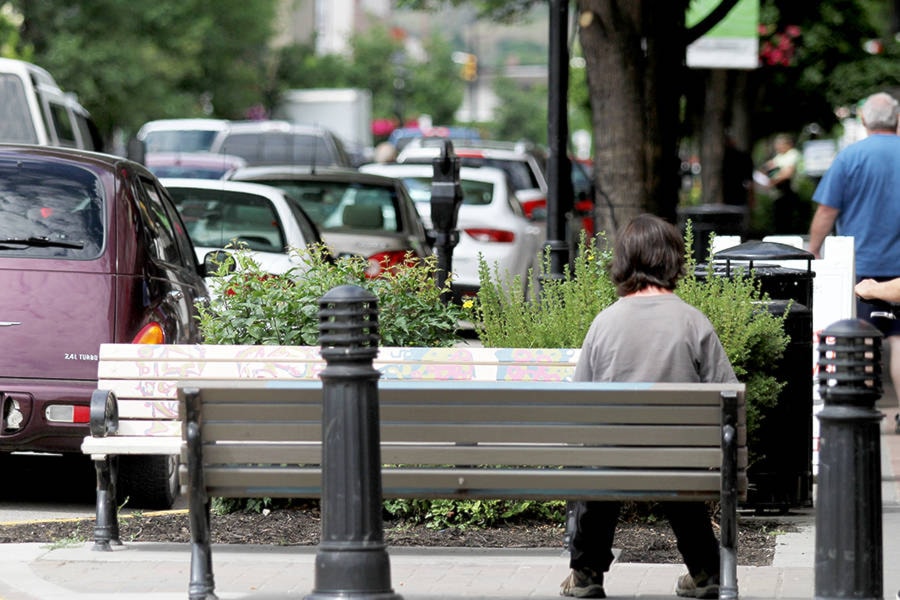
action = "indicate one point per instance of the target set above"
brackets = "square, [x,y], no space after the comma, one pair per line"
[782,171]
[648,335]
[859,195]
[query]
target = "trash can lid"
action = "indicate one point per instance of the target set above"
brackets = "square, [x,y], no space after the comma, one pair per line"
[759,250]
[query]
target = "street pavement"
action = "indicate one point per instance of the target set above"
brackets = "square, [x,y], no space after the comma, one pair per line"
[161,571]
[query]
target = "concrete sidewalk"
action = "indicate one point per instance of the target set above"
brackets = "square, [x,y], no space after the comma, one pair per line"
[151,571]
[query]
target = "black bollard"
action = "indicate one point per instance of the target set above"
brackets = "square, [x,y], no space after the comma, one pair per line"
[351,559]
[848,501]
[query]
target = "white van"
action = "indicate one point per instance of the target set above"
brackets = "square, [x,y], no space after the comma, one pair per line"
[34,110]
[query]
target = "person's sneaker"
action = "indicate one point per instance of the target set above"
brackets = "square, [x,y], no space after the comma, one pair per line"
[583,583]
[702,586]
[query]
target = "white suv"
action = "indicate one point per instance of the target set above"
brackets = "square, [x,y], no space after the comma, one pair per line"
[522,163]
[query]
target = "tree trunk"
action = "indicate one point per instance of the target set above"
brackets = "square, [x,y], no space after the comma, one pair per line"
[712,136]
[634,54]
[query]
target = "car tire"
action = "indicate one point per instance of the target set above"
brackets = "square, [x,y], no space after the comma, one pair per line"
[149,482]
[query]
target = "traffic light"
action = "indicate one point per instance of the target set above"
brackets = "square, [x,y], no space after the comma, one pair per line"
[470,68]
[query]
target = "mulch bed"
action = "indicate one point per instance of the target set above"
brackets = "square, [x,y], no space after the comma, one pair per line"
[644,540]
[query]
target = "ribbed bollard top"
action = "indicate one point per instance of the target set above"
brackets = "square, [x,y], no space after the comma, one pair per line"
[850,362]
[348,323]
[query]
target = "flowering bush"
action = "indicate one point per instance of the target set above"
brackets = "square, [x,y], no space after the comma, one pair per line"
[252,307]
[777,47]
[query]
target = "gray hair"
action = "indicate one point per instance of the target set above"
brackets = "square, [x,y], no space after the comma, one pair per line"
[879,112]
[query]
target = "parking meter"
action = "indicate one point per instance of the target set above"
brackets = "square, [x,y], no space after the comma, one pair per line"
[446,198]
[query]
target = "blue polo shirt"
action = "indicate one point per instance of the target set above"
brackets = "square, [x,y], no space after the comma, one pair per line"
[863,183]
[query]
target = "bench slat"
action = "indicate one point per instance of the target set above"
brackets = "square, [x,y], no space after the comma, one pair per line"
[123,444]
[524,413]
[467,392]
[141,428]
[628,435]
[440,454]
[484,483]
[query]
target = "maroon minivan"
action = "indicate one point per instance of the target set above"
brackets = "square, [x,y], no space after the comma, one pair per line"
[91,251]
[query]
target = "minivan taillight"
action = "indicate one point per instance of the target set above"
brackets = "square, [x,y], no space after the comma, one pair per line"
[151,333]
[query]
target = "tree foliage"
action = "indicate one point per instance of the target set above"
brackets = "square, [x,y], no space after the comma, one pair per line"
[132,62]
[402,85]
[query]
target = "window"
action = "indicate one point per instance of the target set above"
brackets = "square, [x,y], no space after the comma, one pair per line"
[15,119]
[475,193]
[277,148]
[219,218]
[50,211]
[62,124]
[157,225]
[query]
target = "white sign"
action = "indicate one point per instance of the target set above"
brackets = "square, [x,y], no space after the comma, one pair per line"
[732,44]
[818,156]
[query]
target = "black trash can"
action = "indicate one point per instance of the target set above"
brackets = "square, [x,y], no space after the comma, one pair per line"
[706,219]
[781,476]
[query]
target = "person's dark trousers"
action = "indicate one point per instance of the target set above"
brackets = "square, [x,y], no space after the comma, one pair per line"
[590,546]
[786,214]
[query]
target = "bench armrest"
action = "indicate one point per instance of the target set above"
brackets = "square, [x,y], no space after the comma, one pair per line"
[104,413]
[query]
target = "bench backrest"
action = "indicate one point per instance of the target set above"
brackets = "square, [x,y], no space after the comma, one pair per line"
[554,440]
[143,377]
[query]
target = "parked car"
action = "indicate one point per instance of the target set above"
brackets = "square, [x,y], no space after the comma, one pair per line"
[357,214]
[34,110]
[402,136]
[92,250]
[281,143]
[491,222]
[192,165]
[522,163]
[220,215]
[180,135]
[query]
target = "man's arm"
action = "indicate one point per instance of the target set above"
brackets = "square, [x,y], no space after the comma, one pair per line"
[889,291]
[822,224]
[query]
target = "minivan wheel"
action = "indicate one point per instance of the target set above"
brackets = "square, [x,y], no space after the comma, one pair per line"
[147,481]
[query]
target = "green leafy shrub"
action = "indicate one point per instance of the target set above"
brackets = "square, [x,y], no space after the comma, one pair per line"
[505,317]
[464,514]
[253,307]
[560,317]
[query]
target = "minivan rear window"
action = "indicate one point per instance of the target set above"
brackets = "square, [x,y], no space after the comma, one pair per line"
[50,211]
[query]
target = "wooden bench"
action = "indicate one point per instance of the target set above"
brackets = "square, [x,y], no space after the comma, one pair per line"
[135,428]
[469,439]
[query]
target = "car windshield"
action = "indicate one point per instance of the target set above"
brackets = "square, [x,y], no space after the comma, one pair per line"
[50,210]
[475,193]
[218,218]
[344,205]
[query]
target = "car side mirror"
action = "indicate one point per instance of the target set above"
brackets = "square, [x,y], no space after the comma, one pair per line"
[136,151]
[213,262]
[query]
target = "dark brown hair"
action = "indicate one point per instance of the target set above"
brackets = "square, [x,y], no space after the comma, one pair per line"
[648,251]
